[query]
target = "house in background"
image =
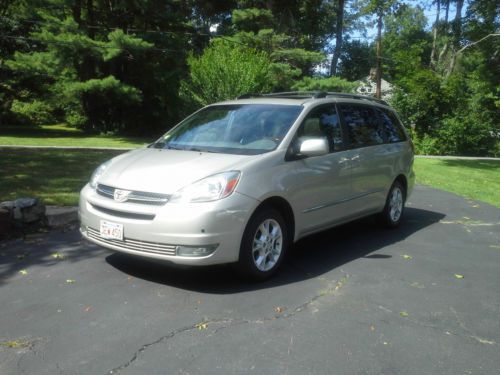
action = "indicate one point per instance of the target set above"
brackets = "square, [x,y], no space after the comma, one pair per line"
[368,86]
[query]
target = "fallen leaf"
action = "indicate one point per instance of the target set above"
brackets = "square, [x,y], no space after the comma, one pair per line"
[372,328]
[466,218]
[88,309]
[23,272]
[458,276]
[408,257]
[279,309]
[201,326]
[476,206]
[70,281]
[57,256]
[404,314]
[15,344]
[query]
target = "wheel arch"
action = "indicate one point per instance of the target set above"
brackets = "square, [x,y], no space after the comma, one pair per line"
[403,181]
[284,208]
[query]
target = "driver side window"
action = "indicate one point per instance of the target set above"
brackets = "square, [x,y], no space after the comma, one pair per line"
[322,122]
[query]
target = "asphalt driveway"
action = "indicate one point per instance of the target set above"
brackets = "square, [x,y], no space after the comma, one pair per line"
[358,299]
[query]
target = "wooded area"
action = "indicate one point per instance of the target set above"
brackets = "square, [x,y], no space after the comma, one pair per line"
[137,67]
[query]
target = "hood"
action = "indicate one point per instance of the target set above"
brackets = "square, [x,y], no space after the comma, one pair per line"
[165,171]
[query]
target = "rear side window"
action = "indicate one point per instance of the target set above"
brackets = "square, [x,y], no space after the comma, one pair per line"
[390,124]
[323,121]
[362,125]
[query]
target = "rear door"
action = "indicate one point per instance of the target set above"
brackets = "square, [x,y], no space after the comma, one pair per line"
[371,159]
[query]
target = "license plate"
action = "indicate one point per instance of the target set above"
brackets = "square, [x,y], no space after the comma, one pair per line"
[111,230]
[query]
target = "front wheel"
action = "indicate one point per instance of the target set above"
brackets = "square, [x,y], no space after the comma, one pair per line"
[394,206]
[264,245]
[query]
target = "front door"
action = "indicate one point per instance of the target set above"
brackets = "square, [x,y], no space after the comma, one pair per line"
[321,187]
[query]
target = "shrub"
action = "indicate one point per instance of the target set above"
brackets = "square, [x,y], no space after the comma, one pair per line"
[35,112]
[335,84]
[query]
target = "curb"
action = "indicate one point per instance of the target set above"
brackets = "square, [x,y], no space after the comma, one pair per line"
[58,216]
[457,157]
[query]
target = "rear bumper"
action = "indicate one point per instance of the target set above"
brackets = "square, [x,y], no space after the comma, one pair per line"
[157,232]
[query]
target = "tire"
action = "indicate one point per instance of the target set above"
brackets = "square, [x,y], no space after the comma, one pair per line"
[394,206]
[261,253]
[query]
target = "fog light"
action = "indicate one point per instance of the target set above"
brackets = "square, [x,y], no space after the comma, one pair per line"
[195,251]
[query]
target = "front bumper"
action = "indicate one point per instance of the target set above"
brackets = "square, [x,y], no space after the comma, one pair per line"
[157,231]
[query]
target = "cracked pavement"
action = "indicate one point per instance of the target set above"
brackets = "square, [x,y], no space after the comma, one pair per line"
[358,299]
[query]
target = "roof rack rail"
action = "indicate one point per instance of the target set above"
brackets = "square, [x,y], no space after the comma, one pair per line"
[248,96]
[313,94]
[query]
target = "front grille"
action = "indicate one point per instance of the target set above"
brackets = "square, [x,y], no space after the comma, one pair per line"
[124,214]
[136,245]
[140,197]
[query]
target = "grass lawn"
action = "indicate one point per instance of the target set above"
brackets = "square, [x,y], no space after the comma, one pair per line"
[476,179]
[55,176]
[60,135]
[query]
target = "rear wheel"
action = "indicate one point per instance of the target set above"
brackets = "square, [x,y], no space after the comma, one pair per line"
[394,206]
[264,244]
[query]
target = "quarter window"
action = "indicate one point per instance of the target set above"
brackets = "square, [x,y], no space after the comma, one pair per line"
[391,126]
[362,125]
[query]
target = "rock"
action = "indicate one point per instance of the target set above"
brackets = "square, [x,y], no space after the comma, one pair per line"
[25,210]
[5,222]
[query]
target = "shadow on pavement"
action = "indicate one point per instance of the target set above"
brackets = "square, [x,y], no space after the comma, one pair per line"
[310,257]
[43,249]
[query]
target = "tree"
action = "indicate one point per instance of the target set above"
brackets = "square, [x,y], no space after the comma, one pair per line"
[101,68]
[225,71]
[338,37]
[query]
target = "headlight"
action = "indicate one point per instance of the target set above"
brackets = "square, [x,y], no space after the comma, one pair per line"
[94,179]
[209,189]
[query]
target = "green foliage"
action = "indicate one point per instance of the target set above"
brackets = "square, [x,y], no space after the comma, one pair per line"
[419,101]
[225,71]
[335,84]
[34,112]
[252,19]
[357,57]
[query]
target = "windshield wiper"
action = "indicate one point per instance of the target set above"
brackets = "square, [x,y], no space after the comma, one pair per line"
[157,145]
[199,150]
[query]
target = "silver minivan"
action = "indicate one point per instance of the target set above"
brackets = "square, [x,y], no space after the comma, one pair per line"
[241,181]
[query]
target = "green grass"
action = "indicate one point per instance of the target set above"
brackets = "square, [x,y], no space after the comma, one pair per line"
[60,135]
[475,179]
[55,176]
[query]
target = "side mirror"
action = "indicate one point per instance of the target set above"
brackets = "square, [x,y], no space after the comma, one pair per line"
[314,147]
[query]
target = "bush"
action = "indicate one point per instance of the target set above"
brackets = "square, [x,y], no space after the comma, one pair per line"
[225,71]
[35,112]
[335,84]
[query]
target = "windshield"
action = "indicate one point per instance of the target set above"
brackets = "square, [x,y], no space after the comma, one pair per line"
[247,129]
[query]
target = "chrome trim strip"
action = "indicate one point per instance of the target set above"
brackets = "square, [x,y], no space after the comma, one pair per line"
[130,244]
[315,208]
[140,197]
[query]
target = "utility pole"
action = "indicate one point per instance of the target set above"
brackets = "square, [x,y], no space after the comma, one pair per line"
[378,76]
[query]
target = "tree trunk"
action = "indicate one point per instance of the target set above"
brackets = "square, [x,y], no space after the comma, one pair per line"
[433,62]
[447,10]
[339,37]
[378,77]
[457,34]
